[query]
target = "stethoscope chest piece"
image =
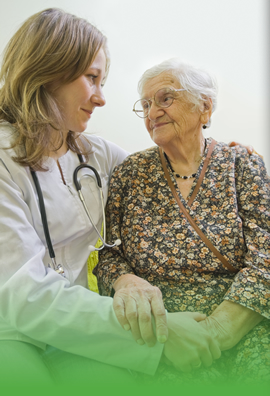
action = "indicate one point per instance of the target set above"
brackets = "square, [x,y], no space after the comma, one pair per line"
[58,268]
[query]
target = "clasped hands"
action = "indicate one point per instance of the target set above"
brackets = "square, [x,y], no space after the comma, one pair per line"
[188,345]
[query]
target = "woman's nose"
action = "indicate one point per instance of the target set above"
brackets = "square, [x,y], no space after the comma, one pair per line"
[98,98]
[155,111]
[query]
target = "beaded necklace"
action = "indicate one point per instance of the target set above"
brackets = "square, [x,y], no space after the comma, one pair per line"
[177,174]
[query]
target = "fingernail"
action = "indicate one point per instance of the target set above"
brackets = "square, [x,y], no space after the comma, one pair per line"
[127,327]
[140,341]
[162,339]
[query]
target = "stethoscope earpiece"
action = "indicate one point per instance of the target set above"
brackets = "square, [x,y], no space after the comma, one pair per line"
[92,248]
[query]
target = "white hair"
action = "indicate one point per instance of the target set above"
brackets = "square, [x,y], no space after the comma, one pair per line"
[199,84]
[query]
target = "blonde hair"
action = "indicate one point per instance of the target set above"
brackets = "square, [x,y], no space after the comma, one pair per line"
[51,45]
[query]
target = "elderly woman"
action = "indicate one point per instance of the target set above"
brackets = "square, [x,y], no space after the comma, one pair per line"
[193,218]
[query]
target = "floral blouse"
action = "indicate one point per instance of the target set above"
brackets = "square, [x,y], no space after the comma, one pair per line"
[232,207]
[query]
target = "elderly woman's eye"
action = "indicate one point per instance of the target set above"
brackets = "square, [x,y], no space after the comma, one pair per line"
[145,105]
[166,99]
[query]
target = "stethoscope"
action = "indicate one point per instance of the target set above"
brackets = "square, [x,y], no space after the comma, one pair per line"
[58,267]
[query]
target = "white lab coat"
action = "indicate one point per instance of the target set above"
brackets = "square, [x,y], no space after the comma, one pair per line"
[36,304]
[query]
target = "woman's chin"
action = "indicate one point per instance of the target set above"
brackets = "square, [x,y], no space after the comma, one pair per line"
[159,139]
[80,128]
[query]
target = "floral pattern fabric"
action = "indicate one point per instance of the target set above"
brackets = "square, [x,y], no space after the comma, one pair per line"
[232,207]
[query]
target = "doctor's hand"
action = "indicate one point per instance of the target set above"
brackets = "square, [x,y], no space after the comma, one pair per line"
[135,303]
[189,345]
[250,149]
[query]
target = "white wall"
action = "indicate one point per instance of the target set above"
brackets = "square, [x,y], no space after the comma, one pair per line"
[226,37]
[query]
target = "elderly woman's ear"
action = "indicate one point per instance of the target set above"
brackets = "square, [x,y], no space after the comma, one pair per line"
[206,111]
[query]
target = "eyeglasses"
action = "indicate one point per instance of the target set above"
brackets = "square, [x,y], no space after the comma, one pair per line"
[163,98]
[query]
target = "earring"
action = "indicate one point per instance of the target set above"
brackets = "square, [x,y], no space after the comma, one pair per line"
[204,126]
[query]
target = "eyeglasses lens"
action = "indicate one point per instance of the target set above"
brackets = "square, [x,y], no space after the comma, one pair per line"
[142,107]
[163,98]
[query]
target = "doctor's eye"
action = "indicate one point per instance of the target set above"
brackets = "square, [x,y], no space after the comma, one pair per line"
[92,77]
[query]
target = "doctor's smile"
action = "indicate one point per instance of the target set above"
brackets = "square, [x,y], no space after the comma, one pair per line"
[88,112]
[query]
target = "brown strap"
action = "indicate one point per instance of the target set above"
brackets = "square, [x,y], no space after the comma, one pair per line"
[205,165]
[189,218]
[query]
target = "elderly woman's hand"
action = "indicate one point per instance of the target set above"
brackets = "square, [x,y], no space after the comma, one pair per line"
[135,303]
[218,332]
[229,323]
[189,345]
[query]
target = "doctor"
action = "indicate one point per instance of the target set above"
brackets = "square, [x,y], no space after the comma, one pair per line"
[51,324]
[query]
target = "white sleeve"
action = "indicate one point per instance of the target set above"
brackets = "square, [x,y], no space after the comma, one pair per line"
[42,305]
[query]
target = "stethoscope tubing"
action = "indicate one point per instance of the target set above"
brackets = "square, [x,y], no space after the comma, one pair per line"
[58,268]
[75,177]
[43,215]
[99,184]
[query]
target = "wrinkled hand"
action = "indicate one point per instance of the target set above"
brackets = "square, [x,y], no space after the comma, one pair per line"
[230,322]
[250,149]
[189,345]
[135,303]
[217,331]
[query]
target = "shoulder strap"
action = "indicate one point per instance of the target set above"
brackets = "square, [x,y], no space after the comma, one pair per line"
[205,165]
[187,215]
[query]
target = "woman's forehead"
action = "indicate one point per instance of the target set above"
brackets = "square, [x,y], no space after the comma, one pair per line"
[161,81]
